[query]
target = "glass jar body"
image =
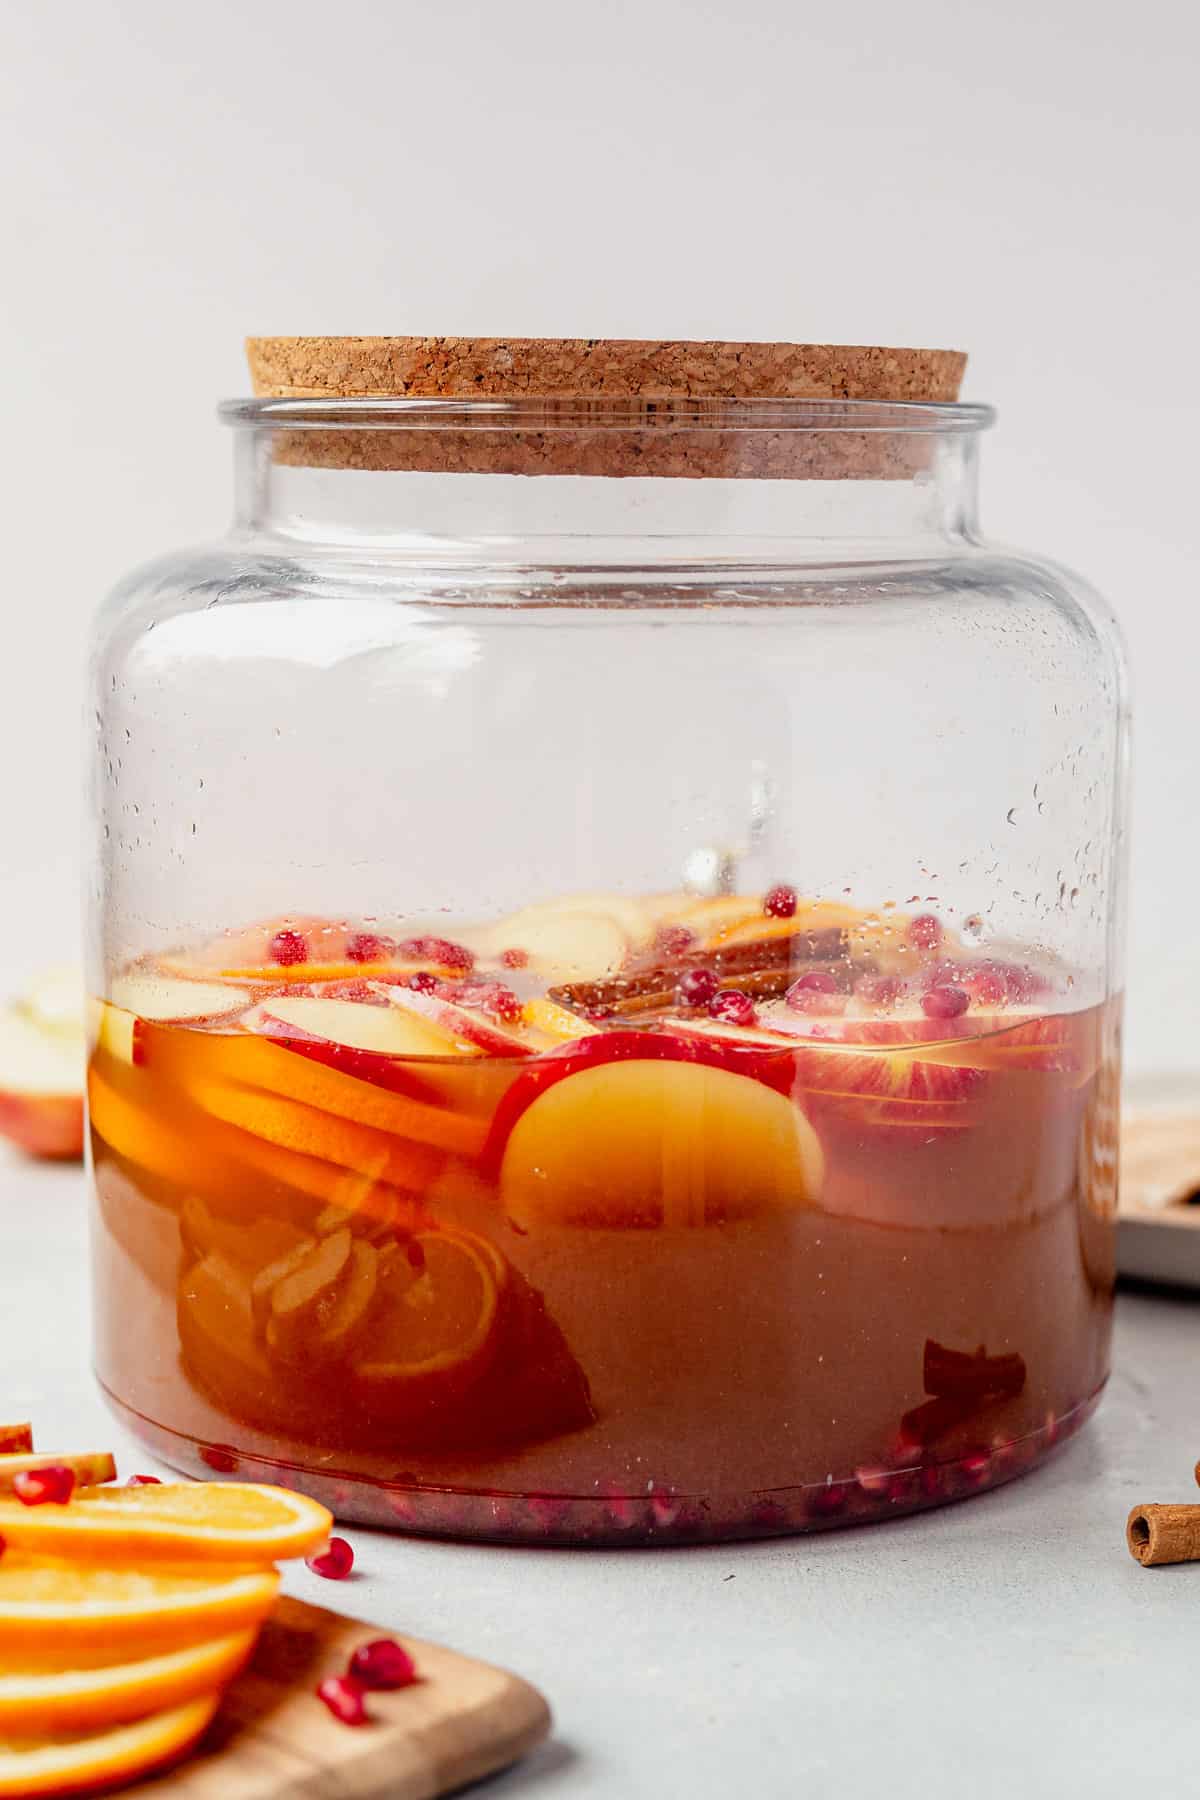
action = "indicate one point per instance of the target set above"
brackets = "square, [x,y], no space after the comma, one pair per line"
[796,1243]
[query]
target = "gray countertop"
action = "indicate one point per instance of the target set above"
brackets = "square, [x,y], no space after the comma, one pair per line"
[1005,1645]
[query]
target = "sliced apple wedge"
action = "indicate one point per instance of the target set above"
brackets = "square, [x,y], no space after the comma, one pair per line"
[384,1031]
[563,940]
[41,1087]
[90,1469]
[464,1032]
[116,1032]
[166,1001]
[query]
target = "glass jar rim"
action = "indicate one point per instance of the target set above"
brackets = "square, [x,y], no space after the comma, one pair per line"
[593,413]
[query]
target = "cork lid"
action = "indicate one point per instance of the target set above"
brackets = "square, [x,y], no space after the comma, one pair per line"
[602,406]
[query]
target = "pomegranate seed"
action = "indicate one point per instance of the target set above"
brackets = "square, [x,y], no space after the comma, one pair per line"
[220,1457]
[335,1563]
[664,1509]
[697,987]
[733,1006]
[514,959]
[365,946]
[415,1252]
[829,1500]
[975,1466]
[345,1699]
[674,940]
[288,947]
[383,1664]
[925,931]
[494,998]
[780,902]
[422,982]
[36,1487]
[595,1015]
[439,950]
[821,1006]
[987,987]
[817,981]
[879,990]
[945,1003]
[144,1481]
[816,992]
[3,1545]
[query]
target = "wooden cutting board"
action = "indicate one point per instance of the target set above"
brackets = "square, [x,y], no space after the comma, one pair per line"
[274,1740]
[1158,1224]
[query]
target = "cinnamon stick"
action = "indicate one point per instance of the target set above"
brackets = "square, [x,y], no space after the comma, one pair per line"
[1163,1534]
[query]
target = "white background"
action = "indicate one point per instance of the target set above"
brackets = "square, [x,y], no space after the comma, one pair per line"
[1018,180]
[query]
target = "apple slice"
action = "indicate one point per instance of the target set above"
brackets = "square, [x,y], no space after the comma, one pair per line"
[464,1032]
[384,1032]
[116,1032]
[41,1087]
[89,1469]
[171,1002]
[563,941]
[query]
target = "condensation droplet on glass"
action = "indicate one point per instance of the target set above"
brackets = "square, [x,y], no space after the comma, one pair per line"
[972,927]
[1074,896]
[1011,815]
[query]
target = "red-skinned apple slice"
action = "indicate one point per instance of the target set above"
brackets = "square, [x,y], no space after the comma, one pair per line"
[371,1042]
[621,1046]
[464,1032]
[41,1088]
[165,1001]
[864,1078]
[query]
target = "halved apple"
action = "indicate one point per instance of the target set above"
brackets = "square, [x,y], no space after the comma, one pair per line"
[41,1087]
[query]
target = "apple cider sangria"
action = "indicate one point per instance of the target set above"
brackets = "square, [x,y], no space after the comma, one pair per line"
[616,1219]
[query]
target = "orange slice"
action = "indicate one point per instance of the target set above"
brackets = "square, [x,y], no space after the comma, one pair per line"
[66,1607]
[60,1766]
[291,1125]
[258,1063]
[205,1157]
[91,1468]
[288,974]
[222,1521]
[84,1699]
[439,1312]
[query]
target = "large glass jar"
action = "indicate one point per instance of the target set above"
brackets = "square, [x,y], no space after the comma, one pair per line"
[605,923]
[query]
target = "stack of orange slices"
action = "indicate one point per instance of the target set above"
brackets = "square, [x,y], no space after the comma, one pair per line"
[125,1612]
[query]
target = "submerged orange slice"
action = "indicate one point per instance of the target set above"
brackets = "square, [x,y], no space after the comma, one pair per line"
[87,1698]
[229,1522]
[439,1312]
[47,1603]
[80,1765]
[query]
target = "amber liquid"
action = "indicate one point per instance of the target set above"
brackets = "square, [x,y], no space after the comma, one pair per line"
[361,1292]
